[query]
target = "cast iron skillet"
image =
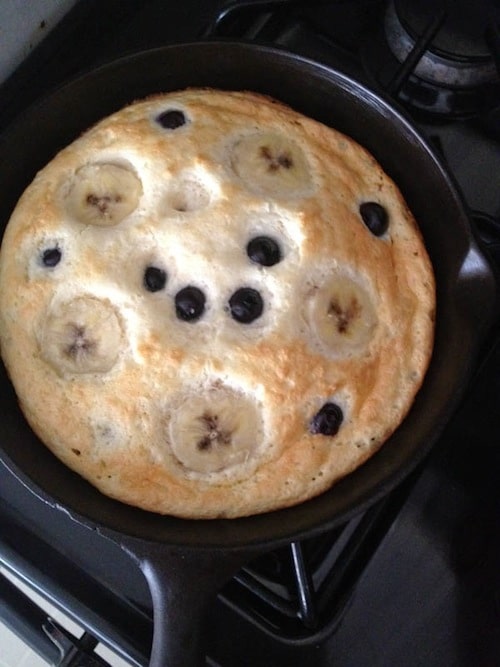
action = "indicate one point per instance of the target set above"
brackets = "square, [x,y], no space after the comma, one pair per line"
[186,562]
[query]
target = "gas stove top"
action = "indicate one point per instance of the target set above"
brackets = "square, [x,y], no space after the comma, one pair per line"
[414,580]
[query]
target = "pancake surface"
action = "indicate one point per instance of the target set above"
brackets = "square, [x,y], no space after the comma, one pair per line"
[213,306]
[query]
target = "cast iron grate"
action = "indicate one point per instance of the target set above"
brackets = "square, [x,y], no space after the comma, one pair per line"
[344,32]
[299,593]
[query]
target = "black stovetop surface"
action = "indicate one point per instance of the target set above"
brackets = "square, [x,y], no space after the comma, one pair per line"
[424,588]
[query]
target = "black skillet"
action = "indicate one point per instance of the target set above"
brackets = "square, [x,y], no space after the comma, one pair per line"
[186,562]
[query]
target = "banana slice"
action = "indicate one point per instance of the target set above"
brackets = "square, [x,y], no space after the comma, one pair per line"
[83,335]
[271,164]
[342,315]
[103,194]
[215,431]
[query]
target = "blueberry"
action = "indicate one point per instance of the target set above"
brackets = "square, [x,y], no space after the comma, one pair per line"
[189,303]
[375,217]
[51,257]
[327,421]
[155,279]
[264,250]
[246,305]
[171,119]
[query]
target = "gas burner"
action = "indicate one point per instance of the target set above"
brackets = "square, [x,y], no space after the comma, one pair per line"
[439,58]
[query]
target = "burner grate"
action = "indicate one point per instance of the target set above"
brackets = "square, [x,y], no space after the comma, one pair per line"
[300,592]
[434,59]
[104,614]
[296,594]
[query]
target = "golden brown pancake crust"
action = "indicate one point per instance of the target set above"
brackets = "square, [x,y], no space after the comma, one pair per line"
[175,368]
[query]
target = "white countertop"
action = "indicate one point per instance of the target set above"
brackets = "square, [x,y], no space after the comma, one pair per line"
[23,24]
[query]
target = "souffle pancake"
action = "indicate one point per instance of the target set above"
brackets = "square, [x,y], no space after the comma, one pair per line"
[213,306]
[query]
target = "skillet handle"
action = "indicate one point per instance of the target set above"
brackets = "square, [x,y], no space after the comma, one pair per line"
[183,585]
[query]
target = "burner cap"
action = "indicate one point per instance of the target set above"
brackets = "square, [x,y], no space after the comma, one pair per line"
[458,54]
[434,57]
[462,36]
